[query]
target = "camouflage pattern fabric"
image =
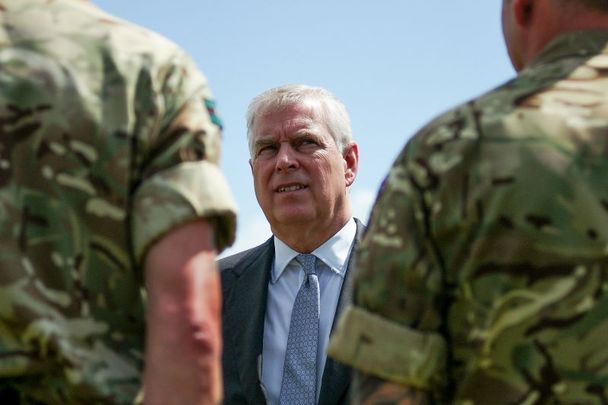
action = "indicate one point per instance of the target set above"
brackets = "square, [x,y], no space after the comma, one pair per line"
[108,140]
[483,276]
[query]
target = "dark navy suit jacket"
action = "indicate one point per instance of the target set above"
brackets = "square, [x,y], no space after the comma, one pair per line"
[245,278]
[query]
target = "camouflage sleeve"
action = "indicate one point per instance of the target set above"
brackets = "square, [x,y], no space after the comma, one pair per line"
[395,330]
[178,155]
[397,285]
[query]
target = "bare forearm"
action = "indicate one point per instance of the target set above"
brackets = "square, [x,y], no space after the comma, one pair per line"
[183,351]
[183,348]
[370,390]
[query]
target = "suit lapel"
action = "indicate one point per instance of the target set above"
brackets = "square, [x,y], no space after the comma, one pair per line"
[337,376]
[247,306]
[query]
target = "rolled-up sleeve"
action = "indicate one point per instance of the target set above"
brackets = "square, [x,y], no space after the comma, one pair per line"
[377,346]
[185,193]
[177,155]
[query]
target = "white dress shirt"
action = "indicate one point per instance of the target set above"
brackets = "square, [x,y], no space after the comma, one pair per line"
[285,280]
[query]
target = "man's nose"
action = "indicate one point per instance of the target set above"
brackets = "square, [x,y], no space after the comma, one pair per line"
[286,158]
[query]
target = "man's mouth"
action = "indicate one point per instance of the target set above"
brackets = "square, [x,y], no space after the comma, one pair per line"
[293,187]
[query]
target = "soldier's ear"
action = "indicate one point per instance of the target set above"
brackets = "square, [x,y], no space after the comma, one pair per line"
[523,10]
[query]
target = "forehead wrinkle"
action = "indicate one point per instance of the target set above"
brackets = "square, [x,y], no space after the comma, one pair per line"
[292,128]
[308,111]
[308,121]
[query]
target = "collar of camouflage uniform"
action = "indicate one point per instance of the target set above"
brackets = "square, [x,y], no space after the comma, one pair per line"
[577,43]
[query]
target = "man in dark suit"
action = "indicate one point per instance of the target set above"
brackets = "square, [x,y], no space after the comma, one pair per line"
[280,298]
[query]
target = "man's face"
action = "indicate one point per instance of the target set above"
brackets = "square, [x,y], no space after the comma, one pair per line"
[300,176]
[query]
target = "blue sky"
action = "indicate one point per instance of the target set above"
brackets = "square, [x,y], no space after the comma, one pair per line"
[394,63]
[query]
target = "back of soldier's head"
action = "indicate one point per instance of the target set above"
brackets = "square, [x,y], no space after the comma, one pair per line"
[594,5]
[597,5]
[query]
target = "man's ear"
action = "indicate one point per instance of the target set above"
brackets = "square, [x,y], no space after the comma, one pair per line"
[523,10]
[251,166]
[351,163]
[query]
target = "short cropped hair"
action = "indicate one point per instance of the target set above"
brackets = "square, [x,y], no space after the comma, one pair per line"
[333,112]
[599,5]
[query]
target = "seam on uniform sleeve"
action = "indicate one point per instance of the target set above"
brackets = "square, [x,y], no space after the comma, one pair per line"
[184,193]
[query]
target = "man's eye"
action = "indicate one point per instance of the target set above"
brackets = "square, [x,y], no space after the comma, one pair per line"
[266,150]
[308,142]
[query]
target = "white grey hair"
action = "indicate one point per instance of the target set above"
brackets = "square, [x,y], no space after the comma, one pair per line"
[333,112]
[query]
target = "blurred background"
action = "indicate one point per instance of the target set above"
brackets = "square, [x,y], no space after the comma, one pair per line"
[394,63]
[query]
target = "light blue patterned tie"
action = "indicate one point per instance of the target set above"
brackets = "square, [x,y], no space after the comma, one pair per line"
[300,370]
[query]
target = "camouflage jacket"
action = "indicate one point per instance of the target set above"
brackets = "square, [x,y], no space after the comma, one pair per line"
[108,139]
[483,276]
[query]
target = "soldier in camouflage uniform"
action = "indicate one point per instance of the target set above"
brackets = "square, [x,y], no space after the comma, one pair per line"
[483,278]
[108,179]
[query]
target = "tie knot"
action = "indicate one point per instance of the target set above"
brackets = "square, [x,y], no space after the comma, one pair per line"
[308,263]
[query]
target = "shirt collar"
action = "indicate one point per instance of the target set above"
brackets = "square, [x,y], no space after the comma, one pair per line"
[334,252]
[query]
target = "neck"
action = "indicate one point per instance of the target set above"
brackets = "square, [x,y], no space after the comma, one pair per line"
[551,23]
[304,238]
